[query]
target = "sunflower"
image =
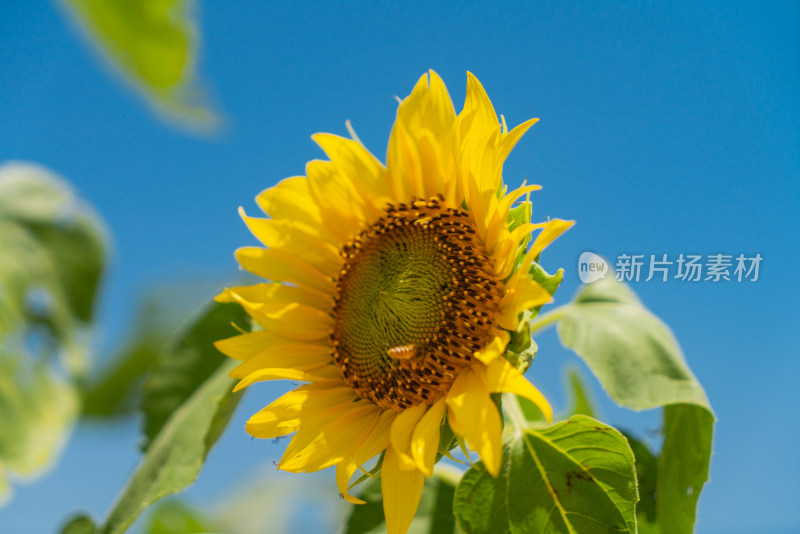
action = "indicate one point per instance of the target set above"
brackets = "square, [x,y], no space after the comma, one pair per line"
[393,291]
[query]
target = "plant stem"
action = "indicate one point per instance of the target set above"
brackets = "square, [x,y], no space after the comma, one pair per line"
[549,319]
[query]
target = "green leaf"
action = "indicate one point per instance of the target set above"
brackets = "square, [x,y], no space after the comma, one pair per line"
[176,455]
[37,411]
[115,391]
[639,363]
[632,353]
[647,476]
[683,466]
[434,514]
[54,250]
[581,402]
[176,517]
[80,524]
[575,476]
[187,363]
[154,45]
[52,254]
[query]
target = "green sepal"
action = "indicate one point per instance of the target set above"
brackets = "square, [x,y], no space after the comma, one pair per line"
[521,348]
[375,472]
[447,438]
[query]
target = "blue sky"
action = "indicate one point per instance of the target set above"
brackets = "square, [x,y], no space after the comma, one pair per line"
[665,128]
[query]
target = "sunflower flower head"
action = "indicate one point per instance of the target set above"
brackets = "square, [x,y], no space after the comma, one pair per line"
[393,291]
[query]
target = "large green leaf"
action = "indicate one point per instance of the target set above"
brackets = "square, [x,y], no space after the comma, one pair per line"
[683,466]
[52,254]
[434,514]
[575,476]
[632,353]
[176,456]
[154,45]
[186,363]
[639,363]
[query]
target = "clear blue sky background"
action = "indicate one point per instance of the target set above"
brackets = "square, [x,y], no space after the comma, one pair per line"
[666,128]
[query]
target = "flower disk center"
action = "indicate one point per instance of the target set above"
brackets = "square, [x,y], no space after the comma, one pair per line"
[415,299]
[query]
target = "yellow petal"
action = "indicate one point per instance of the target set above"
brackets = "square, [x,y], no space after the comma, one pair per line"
[523,295]
[344,472]
[425,438]
[342,208]
[378,439]
[294,238]
[500,217]
[401,431]
[271,293]
[495,348]
[248,345]
[473,415]
[375,443]
[295,321]
[510,139]
[354,162]
[501,377]
[324,373]
[403,163]
[336,440]
[481,204]
[550,231]
[479,109]
[303,357]
[291,200]
[280,266]
[286,413]
[402,489]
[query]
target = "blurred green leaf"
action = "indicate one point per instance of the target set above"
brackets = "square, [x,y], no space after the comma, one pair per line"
[434,514]
[176,517]
[37,411]
[53,249]
[575,476]
[177,453]
[580,401]
[114,393]
[52,254]
[117,391]
[80,524]
[154,44]
[186,363]
[639,363]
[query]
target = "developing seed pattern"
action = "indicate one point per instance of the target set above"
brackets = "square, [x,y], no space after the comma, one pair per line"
[415,299]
